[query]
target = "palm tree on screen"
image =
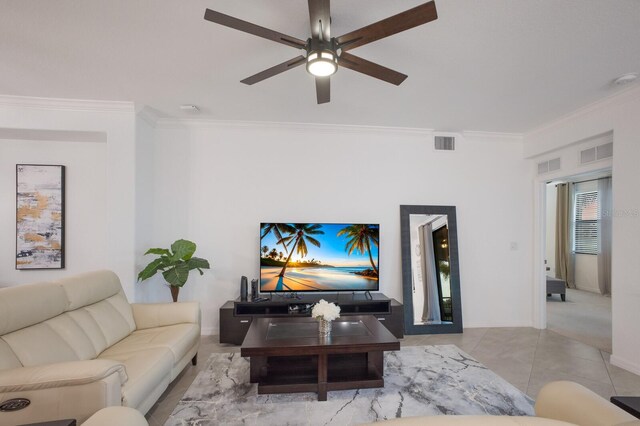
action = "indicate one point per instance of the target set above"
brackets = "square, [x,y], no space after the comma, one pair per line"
[278,229]
[360,238]
[301,235]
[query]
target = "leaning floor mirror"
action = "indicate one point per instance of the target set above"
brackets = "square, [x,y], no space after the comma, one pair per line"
[430,271]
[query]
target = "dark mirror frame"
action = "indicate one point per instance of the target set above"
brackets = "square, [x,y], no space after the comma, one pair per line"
[405,236]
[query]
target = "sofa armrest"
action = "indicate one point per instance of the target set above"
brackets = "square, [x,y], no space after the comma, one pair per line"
[117,416]
[573,403]
[59,375]
[149,315]
[67,390]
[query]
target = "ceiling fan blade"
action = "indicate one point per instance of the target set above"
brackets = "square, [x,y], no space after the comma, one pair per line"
[320,19]
[356,63]
[323,89]
[403,21]
[248,27]
[270,72]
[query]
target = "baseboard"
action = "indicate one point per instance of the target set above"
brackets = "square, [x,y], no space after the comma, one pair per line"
[497,324]
[633,367]
[208,331]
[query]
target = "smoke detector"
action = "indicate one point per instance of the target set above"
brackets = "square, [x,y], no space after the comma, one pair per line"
[626,79]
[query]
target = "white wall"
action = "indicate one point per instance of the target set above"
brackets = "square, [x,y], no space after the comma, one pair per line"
[144,186]
[117,121]
[85,210]
[619,115]
[550,239]
[216,182]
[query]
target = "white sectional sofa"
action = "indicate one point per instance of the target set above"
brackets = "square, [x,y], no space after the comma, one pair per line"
[77,345]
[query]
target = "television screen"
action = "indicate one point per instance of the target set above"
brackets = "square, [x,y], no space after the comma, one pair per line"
[301,257]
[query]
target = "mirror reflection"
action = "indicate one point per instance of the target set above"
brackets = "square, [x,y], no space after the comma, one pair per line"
[430,269]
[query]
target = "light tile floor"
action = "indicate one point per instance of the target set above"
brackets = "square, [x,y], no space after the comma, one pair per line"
[526,357]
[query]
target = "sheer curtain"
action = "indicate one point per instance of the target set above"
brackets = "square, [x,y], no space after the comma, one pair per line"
[564,252]
[431,312]
[604,256]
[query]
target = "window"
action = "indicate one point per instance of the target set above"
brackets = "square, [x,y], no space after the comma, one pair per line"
[587,223]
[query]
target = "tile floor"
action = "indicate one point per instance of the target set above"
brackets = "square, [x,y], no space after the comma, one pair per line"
[526,357]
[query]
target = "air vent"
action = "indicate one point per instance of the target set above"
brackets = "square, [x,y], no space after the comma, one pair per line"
[599,152]
[588,155]
[543,167]
[604,151]
[549,166]
[445,143]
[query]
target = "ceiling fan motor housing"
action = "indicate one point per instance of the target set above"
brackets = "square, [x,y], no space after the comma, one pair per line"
[322,57]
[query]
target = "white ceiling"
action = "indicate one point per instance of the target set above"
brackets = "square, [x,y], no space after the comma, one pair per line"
[491,65]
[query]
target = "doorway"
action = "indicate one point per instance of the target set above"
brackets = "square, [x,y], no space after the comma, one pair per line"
[578,257]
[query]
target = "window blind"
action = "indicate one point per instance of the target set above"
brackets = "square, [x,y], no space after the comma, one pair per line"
[587,223]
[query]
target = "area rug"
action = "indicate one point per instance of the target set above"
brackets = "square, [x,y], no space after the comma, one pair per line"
[419,380]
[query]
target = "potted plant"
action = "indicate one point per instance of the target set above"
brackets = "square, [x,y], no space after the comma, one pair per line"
[175,264]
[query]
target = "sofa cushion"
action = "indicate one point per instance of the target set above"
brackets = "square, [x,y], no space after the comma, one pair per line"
[26,305]
[178,338]
[74,335]
[40,344]
[111,318]
[8,358]
[89,288]
[149,373]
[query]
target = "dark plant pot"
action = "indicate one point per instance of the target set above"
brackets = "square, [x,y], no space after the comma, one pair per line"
[174,292]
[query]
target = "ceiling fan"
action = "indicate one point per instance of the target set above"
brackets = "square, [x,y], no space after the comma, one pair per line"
[324,53]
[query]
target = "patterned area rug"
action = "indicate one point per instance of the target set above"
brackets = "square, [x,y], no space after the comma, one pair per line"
[419,380]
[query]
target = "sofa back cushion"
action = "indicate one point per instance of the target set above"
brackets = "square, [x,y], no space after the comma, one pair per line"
[90,287]
[8,359]
[98,304]
[40,344]
[72,319]
[26,305]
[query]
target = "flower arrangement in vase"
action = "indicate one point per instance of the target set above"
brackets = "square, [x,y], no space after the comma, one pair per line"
[325,312]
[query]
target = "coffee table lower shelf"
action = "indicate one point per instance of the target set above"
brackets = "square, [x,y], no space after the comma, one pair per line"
[291,374]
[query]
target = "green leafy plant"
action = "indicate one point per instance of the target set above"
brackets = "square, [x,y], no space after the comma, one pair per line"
[175,263]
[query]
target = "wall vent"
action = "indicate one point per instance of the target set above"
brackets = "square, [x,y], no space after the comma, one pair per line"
[549,166]
[587,155]
[445,143]
[596,153]
[604,151]
[554,164]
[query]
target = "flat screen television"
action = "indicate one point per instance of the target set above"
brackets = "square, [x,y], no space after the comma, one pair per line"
[305,257]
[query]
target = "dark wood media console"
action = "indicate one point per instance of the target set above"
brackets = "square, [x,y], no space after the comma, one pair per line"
[236,316]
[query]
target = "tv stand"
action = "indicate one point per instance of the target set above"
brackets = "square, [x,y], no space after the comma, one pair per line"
[236,315]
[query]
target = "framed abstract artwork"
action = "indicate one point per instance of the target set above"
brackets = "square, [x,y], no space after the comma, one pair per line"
[39,216]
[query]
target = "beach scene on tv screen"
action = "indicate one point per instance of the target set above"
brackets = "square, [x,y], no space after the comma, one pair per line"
[318,257]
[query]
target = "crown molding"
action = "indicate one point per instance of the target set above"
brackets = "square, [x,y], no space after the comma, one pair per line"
[60,104]
[617,98]
[493,136]
[149,116]
[203,123]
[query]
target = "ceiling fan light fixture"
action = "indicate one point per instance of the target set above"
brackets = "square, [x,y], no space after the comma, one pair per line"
[322,63]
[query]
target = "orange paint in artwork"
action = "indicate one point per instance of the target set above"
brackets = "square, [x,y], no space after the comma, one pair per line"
[26,211]
[33,237]
[56,216]
[23,262]
[43,201]
[54,245]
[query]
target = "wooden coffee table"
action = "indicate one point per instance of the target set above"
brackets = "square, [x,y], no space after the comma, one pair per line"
[287,354]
